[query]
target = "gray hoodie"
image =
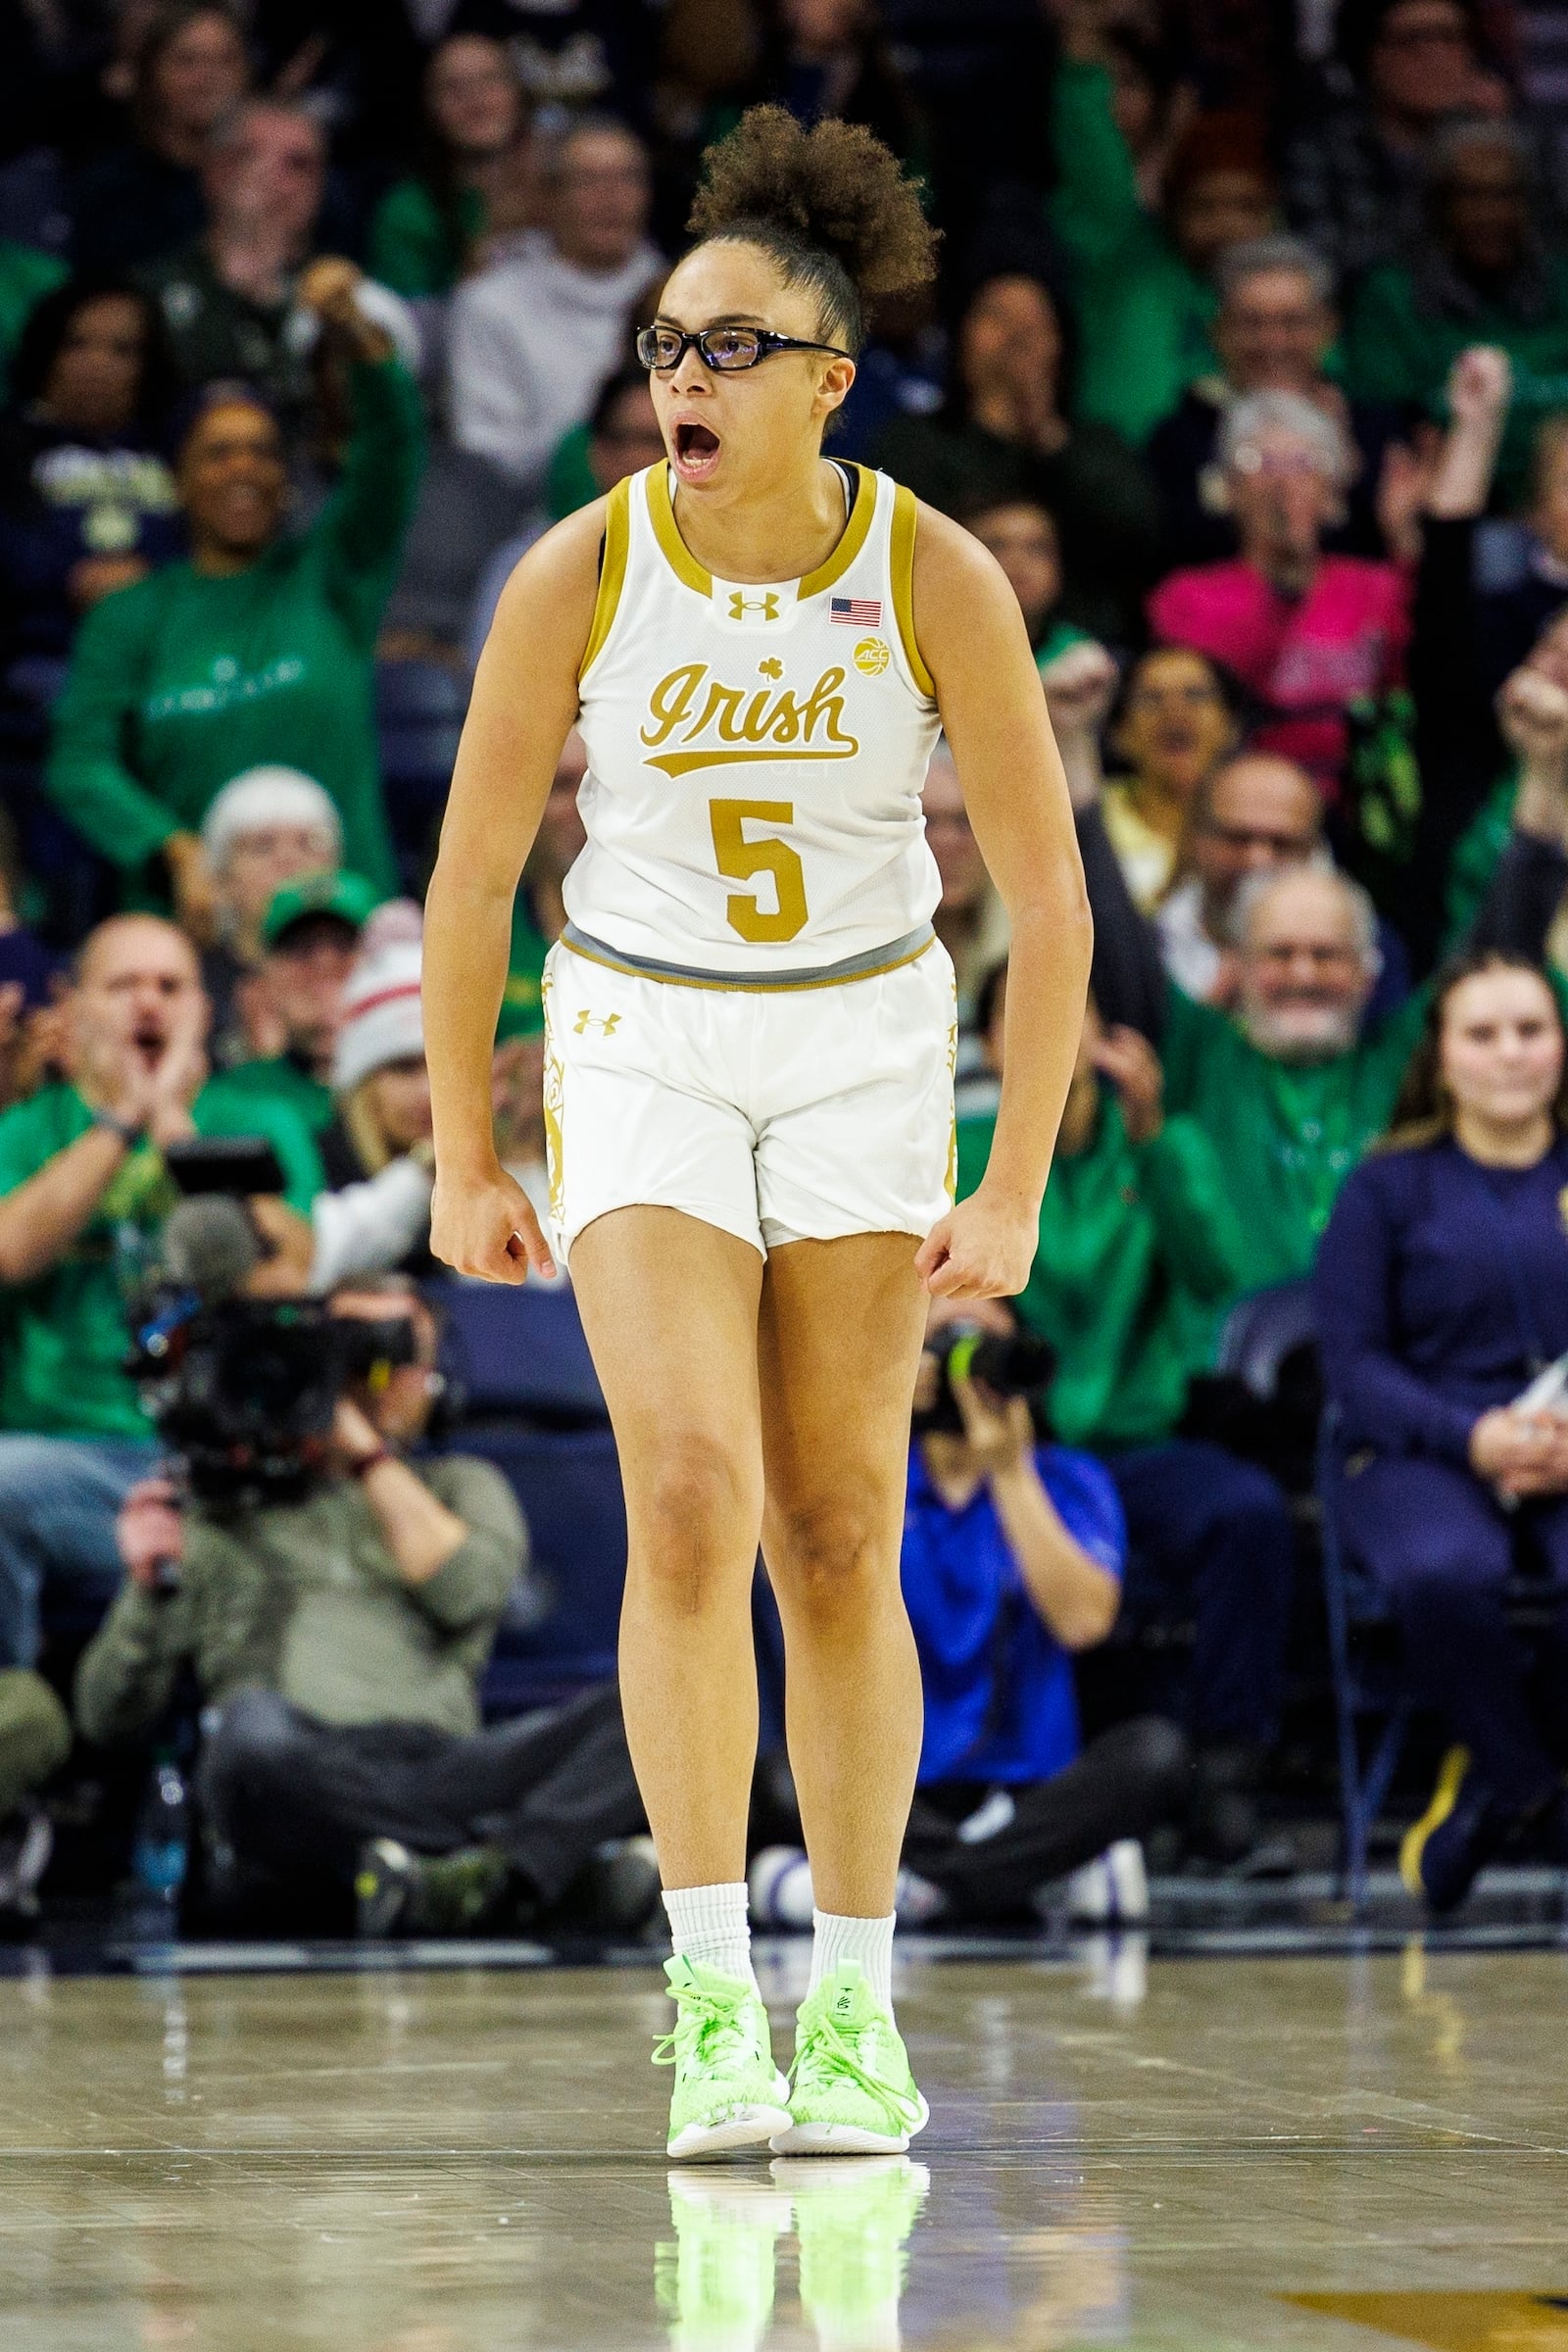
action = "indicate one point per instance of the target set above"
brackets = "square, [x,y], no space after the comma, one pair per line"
[532,339]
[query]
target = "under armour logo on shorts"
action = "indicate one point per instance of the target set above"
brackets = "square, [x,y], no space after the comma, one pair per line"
[608,1022]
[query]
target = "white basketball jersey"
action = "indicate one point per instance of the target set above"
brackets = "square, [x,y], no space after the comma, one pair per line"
[755,754]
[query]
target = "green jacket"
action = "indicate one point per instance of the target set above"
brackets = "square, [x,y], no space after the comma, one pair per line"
[277,1079]
[306,1599]
[1398,349]
[1144,316]
[1133,1237]
[415,248]
[184,680]
[64,1335]
[1286,1135]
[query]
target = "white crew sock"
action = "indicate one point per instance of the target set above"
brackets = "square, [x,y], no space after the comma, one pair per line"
[868,1940]
[708,1925]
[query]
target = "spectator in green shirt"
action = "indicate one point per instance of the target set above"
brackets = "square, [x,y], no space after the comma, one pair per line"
[475,181]
[1141,270]
[310,937]
[1479,271]
[258,648]
[1291,1084]
[1137,1227]
[83,1190]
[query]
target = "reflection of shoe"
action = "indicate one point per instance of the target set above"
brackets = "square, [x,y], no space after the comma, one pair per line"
[717,2281]
[728,2092]
[1461,1828]
[852,2093]
[1113,1890]
[853,2221]
[26,1842]
[401,1893]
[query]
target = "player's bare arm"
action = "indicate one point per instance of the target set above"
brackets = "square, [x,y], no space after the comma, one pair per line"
[972,639]
[523,705]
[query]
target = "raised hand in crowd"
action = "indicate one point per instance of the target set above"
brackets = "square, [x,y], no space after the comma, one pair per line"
[1478,390]
[1080,687]
[329,286]
[197,897]
[1406,482]
[1128,1062]
[1533,714]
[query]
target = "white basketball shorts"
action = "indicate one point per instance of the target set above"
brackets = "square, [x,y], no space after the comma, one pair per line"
[796,1115]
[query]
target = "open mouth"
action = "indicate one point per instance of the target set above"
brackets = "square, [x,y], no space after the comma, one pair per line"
[148,1040]
[696,450]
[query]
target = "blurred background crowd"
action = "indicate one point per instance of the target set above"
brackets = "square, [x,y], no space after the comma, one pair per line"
[1249,362]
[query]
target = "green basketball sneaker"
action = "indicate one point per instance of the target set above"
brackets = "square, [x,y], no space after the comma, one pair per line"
[852,2092]
[728,2092]
[854,2219]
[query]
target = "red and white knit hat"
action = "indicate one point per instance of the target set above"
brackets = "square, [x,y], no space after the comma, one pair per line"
[381,1016]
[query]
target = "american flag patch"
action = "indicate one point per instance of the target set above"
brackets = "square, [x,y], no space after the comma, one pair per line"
[856,611]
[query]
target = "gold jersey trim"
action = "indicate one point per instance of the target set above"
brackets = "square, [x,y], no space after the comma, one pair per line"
[870,966]
[612,574]
[850,545]
[672,546]
[684,565]
[900,562]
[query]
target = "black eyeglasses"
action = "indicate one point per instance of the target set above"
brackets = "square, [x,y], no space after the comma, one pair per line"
[722,348]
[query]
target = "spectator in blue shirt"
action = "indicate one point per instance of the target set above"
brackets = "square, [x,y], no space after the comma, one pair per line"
[1012,1560]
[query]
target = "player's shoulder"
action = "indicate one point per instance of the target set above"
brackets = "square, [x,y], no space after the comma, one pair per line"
[952,571]
[556,583]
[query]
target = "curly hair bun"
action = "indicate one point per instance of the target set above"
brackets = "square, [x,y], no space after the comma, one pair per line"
[833,191]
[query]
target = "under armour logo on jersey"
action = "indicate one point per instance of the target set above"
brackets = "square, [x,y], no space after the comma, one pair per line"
[607,1022]
[740,605]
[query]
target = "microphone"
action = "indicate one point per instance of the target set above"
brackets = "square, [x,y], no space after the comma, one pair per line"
[209,1246]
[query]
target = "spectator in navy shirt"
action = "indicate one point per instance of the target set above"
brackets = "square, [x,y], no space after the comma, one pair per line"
[1012,1560]
[1443,1292]
[87,504]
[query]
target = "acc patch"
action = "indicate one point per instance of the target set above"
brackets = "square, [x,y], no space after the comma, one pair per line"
[871,656]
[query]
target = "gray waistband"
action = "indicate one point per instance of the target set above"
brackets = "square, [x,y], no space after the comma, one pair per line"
[864,966]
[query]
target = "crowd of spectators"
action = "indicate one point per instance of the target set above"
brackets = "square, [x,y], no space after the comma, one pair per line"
[1249,362]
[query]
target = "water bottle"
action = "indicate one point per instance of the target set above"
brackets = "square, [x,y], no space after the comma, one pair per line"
[163,1834]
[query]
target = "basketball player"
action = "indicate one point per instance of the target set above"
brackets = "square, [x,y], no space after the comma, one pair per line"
[749,1079]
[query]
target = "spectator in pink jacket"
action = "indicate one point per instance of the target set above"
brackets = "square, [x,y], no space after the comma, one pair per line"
[1303,633]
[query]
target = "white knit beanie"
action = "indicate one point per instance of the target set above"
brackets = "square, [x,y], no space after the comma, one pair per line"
[268,795]
[381,1016]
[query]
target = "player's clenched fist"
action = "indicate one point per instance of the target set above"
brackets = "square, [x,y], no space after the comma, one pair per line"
[980,1250]
[485,1226]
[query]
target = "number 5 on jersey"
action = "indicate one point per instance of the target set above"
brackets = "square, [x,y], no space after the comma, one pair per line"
[739,859]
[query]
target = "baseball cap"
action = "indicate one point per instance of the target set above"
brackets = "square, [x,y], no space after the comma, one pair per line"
[339,895]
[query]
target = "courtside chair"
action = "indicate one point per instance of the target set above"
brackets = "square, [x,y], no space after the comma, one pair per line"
[532,1405]
[1363,1661]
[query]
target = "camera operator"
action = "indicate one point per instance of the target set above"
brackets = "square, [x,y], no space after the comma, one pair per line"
[1012,1559]
[83,1189]
[337,1640]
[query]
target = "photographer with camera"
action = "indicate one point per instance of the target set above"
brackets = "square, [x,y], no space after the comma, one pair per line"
[1012,1558]
[337,1609]
[84,1187]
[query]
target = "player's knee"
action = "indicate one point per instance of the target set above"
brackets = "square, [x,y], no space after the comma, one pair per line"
[698,1519]
[827,1554]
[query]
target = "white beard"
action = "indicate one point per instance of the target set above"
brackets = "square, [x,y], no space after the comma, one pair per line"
[1300,1032]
